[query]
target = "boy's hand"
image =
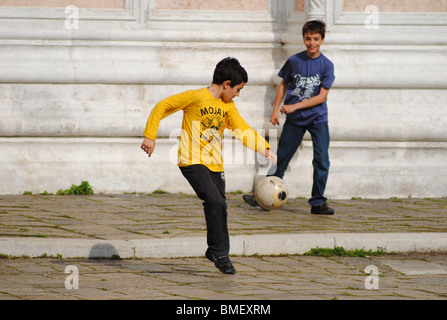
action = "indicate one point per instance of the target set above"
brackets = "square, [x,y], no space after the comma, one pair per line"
[148,146]
[274,118]
[288,108]
[269,154]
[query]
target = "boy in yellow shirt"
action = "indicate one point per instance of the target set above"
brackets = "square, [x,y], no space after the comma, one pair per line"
[206,113]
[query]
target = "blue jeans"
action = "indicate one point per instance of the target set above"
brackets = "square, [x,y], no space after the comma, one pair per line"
[289,142]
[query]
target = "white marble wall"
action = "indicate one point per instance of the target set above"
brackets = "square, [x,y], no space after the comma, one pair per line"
[74,102]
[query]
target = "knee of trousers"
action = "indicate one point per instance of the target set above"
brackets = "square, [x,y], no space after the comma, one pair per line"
[321,164]
[216,203]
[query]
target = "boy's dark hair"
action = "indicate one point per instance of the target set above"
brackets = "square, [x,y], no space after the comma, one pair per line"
[315,26]
[230,69]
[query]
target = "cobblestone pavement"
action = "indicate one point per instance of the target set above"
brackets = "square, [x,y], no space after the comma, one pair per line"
[258,278]
[124,217]
[160,216]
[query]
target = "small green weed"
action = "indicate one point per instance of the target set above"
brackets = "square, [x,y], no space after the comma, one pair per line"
[83,188]
[159,191]
[341,252]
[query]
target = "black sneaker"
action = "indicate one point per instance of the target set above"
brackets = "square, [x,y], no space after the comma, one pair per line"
[222,263]
[211,257]
[323,210]
[251,200]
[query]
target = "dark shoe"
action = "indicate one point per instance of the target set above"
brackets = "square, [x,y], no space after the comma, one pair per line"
[222,263]
[251,200]
[323,210]
[211,257]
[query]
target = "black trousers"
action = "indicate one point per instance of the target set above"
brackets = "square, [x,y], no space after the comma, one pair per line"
[210,187]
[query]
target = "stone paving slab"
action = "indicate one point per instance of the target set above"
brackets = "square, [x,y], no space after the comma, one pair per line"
[129,227]
[160,216]
[248,245]
[292,277]
[173,225]
[416,267]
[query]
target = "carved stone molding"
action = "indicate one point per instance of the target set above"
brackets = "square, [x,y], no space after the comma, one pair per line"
[316,9]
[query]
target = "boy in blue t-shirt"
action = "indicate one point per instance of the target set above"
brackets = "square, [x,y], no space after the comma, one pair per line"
[307,77]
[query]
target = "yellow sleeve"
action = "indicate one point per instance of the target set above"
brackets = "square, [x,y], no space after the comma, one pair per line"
[165,108]
[244,133]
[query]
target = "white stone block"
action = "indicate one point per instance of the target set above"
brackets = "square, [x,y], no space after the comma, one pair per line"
[275,244]
[66,248]
[105,110]
[393,242]
[170,248]
[372,169]
[110,165]
[387,114]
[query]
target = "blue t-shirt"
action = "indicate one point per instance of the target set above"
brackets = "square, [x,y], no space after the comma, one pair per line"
[303,77]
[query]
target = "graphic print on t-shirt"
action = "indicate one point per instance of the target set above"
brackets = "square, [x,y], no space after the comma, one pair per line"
[211,124]
[305,86]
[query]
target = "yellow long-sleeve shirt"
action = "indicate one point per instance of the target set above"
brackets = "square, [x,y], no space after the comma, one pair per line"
[204,121]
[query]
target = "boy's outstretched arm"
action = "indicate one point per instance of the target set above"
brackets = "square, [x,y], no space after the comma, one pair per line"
[280,93]
[269,154]
[148,146]
[318,99]
[161,110]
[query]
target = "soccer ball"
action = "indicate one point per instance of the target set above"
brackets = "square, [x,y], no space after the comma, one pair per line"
[271,193]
